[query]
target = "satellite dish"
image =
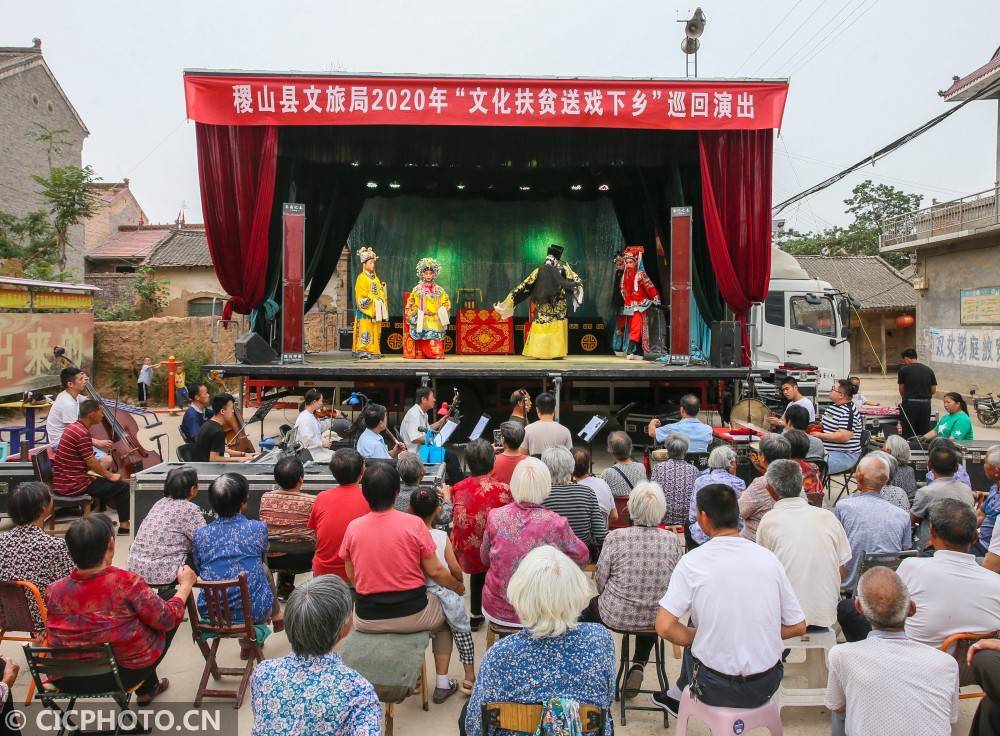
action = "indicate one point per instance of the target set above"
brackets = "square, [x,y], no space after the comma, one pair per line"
[695,26]
[690,45]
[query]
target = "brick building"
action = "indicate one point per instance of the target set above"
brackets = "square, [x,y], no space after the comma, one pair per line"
[118,206]
[33,101]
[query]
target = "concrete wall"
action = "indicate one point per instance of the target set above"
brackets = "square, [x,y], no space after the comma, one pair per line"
[26,100]
[949,270]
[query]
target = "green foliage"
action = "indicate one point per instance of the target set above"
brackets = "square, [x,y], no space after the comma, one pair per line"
[193,361]
[32,241]
[70,201]
[872,205]
[121,312]
[152,292]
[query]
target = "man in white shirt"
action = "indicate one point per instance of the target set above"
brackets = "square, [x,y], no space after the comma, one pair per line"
[887,684]
[546,432]
[741,607]
[66,409]
[953,594]
[794,397]
[413,431]
[809,541]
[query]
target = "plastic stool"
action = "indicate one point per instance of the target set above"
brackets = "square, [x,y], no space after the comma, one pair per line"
[817,646]
[624,665]
[726,721]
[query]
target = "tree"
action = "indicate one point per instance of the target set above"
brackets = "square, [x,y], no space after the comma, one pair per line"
[70,201]
[32,241]
[872,206]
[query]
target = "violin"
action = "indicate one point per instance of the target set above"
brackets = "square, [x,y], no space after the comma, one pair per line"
[118,426]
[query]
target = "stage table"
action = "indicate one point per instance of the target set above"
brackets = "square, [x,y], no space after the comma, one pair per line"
[483,332]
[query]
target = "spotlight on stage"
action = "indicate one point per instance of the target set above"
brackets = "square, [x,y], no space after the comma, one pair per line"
[372,185]
[603,188]
[525,188]
[394,185]
[460,186]
[576,187]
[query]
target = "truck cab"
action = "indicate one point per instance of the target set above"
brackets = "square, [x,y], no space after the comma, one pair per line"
[802,320]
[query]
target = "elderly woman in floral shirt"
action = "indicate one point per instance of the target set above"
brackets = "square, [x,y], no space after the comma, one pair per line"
[516,529]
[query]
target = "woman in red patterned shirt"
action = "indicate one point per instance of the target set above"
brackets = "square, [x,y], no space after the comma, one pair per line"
[286,511]
[99,603]
[472,500]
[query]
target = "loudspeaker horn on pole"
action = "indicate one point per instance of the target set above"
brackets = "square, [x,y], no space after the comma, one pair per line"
[696,25]
[690,45]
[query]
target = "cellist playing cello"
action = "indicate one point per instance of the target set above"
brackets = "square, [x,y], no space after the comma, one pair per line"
[66,409]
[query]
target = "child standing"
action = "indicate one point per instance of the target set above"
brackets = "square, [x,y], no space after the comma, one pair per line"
[425,503]
[145,379]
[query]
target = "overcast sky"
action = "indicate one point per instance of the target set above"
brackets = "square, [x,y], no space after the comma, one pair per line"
[862,72]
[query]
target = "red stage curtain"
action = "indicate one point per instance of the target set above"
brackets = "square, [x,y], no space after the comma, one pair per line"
[736,194]
[236,170]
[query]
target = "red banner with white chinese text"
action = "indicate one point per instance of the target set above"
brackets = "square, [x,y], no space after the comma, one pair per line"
[264,99]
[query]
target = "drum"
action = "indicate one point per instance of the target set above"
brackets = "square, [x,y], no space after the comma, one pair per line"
[750,412]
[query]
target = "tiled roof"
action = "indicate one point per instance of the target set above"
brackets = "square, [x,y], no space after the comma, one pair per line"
[958,84]
[877,284]
[130,243]
[184,248]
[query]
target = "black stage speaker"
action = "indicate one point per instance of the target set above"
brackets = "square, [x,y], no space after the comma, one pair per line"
[252,348]
[726,345]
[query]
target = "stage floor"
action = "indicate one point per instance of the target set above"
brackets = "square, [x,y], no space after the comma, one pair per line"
[340,365]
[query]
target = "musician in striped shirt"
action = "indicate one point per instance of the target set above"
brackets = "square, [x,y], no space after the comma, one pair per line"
[842,426]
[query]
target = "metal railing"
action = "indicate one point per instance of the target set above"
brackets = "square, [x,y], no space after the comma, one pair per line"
[981,209]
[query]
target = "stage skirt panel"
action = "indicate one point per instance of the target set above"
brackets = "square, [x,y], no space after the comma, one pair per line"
[547,340]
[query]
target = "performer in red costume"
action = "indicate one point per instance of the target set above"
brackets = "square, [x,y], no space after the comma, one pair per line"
[638,295]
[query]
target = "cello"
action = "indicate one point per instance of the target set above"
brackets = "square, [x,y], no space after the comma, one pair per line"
[118,426]
[236,431]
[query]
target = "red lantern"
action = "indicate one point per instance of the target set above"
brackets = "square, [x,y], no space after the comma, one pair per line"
[905,320]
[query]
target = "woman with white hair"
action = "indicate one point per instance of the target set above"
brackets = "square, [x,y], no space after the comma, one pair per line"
[893,494]
[676,477]
[311,690]
[553,656]
[512,531]
[721,469]
[576,502]
[904,477]
[633,572]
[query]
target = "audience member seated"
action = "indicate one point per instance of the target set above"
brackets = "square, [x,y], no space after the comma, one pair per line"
[887,684]
[165,540]
[791,393]
[425,504]
[473,499]
[517,528]
[210,444]
[370,444]
[27,552]
[546,432]
[411,472]
[232,544]
[582,461]
[554,656]
[75,457]
[954,423]
[632,573]
[626,473]
[512,437]
[721,469]
[953,594]
[990,508]
[812,483]
[798,418]
[676,477]
[872,525]
[905,477]
[10,670]
[698,433]
[893,494]
[286,511]
[197,413]
[960,474]
[943,461]
[99,603]
[808,541]
[842,426]
[334,509]
[311,690]
[575,502]
[755,501]
[984,658]
[732,656]
[387,553]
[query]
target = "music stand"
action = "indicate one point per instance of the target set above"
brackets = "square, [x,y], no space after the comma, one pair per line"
[589,431]
[258,416]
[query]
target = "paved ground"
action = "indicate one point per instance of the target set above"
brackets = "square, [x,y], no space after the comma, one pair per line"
[183,664]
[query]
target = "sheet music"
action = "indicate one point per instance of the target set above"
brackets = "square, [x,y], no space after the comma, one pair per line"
[480,427]
[591,428]
[446,432]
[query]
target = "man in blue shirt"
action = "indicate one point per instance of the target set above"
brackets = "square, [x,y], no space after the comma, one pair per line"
[698,433]
[197,413]
[370,445]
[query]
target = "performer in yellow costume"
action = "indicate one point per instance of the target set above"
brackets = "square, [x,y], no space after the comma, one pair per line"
[548,286]
[371,308]
[427,311]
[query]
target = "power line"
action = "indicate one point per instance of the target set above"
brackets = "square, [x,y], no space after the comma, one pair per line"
[822,47]
[767,38]
[808,45]
[790,37]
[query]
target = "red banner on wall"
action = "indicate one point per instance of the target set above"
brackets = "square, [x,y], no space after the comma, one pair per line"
[265,99]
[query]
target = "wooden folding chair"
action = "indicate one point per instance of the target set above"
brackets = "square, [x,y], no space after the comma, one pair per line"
[15,615]
[957,645]
[218,624]
[526,717]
